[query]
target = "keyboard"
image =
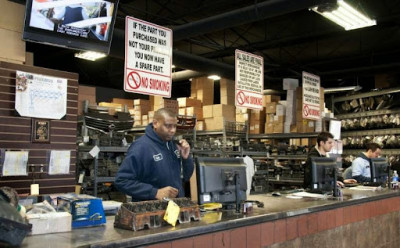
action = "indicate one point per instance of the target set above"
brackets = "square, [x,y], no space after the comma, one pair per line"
[372,184]
[351,184]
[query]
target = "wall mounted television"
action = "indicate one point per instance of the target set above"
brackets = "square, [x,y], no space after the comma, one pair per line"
[77,24]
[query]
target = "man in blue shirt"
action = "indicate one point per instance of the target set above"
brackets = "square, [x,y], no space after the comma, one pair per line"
[361,166]
[152,168]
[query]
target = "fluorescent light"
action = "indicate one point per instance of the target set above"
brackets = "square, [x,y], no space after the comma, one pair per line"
[340,89]
[214,77]
[90,55]
[173,66]
[346,16]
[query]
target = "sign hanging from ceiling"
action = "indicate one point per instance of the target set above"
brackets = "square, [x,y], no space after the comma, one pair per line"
[249,80]
[311,96]
[148,58]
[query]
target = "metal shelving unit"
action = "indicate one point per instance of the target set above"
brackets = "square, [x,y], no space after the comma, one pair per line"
[385,152]
[283,136]
[368,113]
[97,179]
[367,94]
[371,132]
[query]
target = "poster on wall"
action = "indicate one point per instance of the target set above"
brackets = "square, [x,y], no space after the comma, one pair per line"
[311,96]
[148,58]
[40,96]
[249,80]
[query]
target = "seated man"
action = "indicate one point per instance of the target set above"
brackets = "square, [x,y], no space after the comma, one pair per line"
[361,166]
[322,148]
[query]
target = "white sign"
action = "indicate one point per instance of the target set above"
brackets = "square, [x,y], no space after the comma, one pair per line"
[15,163]
[40,96]
[59,162]
[148,58]
[311,96]
[249,80]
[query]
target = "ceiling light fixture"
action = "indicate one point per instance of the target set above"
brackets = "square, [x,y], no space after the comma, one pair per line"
[173,66]
[345,15]
[340,89]
[89,55]
[214,77]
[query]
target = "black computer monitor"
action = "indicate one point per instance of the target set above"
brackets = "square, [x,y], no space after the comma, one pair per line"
[323,175]
[216,180]
[379,170]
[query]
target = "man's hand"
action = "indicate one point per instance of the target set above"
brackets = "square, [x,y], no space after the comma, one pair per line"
[168,192]
[350,181]
[184,148]
[339,184]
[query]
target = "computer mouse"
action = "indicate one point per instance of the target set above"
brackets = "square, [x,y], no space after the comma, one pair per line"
[276,194]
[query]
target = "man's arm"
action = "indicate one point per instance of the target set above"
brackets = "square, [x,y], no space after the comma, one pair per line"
[128,180]
[187,167]
[357,171]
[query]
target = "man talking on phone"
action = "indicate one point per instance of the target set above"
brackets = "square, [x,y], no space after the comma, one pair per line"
[153,164]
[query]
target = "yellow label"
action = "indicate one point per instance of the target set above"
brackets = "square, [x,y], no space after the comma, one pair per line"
[172,213]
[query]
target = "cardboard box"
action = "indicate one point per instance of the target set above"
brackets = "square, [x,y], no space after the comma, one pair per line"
[269,118]
[86,210]
[290,83]
[269,128]
[145,122]
[110,105]
[227,91]
[227,111]
[242,117]
[182,111]
[270,108]
[127,102]
[193,89]
[205,90]
[270,98]
[257,115]
[278,119]
[194,111]
[53,222]
[278,127]
[208,124]
[280,110]
[188,102]
[208,111]
[150,114]
[200,125]
[137,102]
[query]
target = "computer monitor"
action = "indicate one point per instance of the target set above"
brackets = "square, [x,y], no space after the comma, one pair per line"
[379,170]
[216,180]
[323,175]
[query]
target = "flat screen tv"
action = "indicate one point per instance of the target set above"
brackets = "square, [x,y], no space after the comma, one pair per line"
[77,24]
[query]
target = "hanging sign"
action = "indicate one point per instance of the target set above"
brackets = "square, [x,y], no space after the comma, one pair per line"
[311,96]
[249,80]
[40,96]
[148,58]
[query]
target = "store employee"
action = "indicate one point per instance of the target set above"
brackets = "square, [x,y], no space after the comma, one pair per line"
[360,167]
[322,148]
[152,168]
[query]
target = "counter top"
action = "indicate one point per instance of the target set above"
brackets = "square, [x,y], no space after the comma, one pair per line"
[274,208]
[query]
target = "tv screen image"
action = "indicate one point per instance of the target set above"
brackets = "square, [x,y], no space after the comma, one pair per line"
[216,180]
[78,24]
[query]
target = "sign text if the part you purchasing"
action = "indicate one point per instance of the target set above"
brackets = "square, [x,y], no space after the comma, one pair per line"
[249,80]
[311,96]
[148,58]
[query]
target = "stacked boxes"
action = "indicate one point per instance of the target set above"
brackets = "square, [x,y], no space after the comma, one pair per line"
[227,91]
[123,102]
[242,114]
[157,102]
[190,107]
[290,85]
[215,115]
[275,114]
[257,121]
[204,90]
[141,108]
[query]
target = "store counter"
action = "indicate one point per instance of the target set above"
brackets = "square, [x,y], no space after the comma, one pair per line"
[282,220]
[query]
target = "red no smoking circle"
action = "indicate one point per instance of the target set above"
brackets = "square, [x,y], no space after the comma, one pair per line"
[240,97]
[133,80]
[306,110]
